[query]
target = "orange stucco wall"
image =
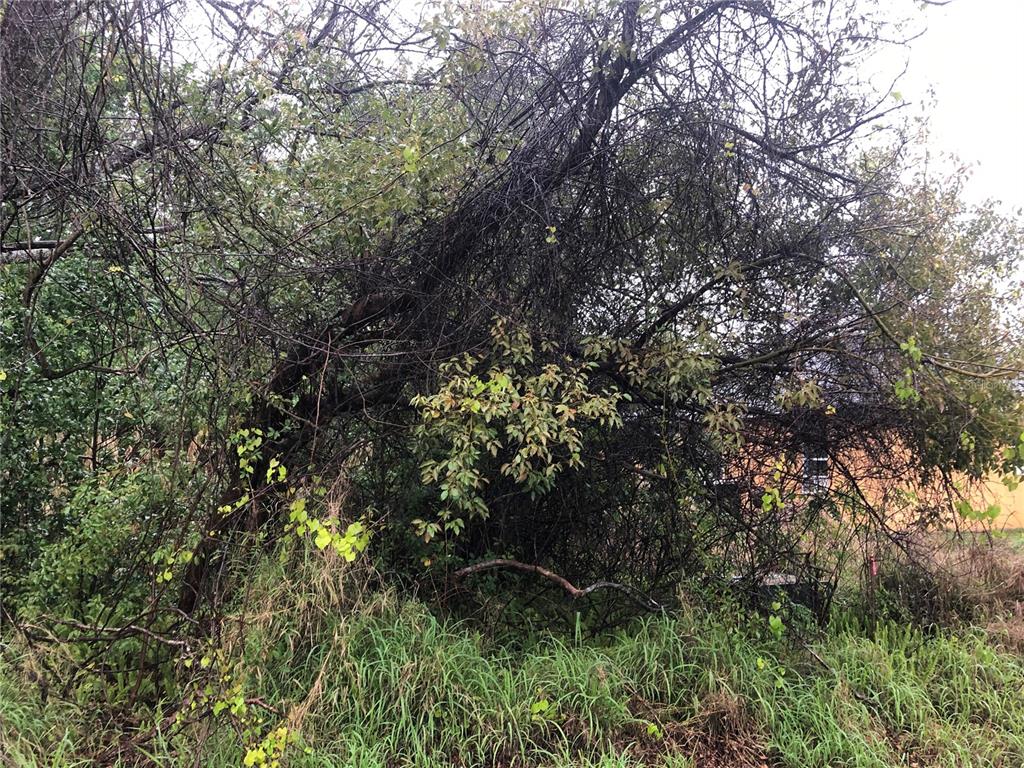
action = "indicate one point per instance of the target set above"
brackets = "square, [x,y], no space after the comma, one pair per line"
[878,488]
[1011,503]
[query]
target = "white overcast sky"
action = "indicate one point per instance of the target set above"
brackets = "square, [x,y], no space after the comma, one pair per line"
[969,58]
[972,55]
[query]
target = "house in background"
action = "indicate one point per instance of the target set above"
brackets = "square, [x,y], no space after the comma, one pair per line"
[807,458]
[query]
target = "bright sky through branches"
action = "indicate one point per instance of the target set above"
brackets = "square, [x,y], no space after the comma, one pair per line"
[971,56]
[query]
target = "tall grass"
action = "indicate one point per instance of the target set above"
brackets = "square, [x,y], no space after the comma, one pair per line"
[389,684]
[32,733]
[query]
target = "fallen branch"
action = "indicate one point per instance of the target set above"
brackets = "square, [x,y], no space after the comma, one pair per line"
[571,589]
[103,634]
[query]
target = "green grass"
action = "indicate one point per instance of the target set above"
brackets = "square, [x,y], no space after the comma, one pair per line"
[32,734]
[393,685]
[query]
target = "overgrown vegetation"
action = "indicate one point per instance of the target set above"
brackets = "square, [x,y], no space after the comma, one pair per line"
[391,684]
[369,372]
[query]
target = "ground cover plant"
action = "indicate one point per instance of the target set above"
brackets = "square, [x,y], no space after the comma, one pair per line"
[391,684]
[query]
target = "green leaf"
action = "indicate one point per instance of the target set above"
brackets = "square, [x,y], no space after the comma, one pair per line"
[323,538]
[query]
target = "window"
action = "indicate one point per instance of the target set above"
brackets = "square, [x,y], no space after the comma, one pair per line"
[816,474]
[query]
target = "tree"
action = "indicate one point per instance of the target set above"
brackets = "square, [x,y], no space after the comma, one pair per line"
[630,242]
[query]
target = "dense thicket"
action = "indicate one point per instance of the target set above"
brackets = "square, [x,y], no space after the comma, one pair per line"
[573,285]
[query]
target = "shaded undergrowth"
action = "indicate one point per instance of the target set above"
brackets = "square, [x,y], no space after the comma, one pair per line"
[387,683]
